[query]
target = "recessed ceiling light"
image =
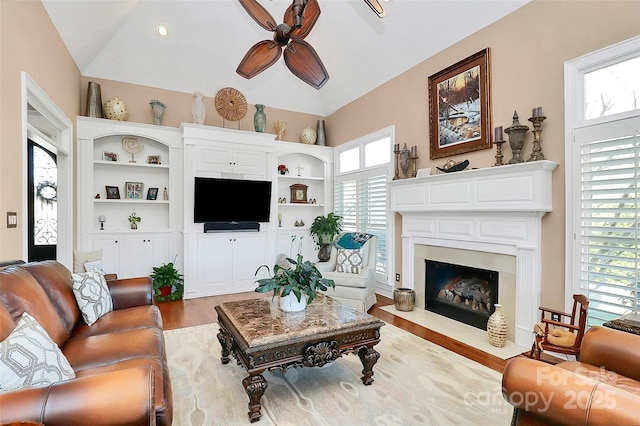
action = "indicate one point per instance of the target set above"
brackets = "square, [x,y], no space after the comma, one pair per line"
[162,31]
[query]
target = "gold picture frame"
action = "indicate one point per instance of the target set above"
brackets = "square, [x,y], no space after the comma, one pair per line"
[460,107]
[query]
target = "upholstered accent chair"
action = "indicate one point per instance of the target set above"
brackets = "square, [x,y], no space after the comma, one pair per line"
[352,266]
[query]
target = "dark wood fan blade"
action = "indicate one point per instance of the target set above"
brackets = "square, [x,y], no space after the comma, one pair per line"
[260,57]
[304,62]
[375,6]
[310,16]
[259,14]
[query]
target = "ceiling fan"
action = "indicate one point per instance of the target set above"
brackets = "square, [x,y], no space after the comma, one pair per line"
[301,59]
[375,6]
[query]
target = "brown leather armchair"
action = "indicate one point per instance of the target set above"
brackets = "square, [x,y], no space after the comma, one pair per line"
[120,362]
[603,388]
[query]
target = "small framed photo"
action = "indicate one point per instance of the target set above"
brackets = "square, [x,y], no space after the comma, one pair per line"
[153,159]
[113,192]
[109,156]
[152,194]
[134,190]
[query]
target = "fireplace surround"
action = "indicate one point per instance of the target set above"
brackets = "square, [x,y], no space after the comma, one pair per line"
[492,211]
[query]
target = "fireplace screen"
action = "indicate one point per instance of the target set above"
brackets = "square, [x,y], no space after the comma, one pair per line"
[461,293]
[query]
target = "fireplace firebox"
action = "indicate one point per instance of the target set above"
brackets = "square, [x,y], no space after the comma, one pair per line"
[462,293]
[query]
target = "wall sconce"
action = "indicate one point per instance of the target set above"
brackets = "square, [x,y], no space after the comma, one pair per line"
[102,219]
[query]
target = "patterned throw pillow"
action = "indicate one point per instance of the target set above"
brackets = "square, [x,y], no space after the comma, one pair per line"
[29,358]
[92,295]
[349,261]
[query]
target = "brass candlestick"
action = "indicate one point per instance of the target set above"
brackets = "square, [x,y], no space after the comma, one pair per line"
[396,151]
[414,170]
[516,134]
[499,155]
[536,154]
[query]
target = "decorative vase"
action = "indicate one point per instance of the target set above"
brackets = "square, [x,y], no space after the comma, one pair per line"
[115,109]
[289,303]
[94,101]
[134,225]
[158,111]
[497,327]
[404,299]
[198,109]
[322,136]
[516,134]
[308,136]
[259,119]
[324,253]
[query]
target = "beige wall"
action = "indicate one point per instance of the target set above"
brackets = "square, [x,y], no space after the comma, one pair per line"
[179,108]
[527,52]
[30,43]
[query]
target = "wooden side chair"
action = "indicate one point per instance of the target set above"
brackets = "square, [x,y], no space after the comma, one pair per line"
[564,334]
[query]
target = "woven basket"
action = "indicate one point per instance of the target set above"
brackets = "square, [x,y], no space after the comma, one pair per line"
[497,328]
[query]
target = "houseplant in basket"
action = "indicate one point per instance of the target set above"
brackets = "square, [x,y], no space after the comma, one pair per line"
[168,283]
[295,281]
[323,230]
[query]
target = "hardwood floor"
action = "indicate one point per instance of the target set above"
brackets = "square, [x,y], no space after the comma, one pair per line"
[187,313]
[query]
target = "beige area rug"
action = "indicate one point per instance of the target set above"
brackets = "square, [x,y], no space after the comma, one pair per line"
[464,333]
[416,383]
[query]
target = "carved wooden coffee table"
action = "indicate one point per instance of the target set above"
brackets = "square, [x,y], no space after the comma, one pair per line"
[263,337]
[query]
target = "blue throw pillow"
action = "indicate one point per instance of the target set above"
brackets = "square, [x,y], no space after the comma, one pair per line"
[353,240]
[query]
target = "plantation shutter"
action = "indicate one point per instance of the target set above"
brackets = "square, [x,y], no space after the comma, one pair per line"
[372,202]
[608,237]
[346,204]
[361,200]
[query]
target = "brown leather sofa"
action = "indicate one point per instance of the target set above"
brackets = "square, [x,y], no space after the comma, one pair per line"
[603,388]
[120,362]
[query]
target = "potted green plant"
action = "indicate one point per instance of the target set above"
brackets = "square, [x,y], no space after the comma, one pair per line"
[323,230]
[292,282]
[134,219]
[168,282]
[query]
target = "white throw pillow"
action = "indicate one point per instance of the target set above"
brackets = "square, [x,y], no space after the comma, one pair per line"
[94,264]
[349,261]
[92,295]
[29,358]
[80,257]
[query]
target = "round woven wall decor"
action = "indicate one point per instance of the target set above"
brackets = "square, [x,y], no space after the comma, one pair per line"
[231,104]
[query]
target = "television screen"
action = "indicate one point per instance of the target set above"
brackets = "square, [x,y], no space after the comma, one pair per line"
[231,200]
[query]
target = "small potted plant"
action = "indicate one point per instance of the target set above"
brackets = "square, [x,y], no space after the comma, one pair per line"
[134,219]
[168,282]
[323,230]
[283,169]
[296,283]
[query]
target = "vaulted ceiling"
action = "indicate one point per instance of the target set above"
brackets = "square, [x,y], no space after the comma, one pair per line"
[207,39]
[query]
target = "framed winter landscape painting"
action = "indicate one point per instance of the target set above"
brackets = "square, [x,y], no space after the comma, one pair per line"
[459,107]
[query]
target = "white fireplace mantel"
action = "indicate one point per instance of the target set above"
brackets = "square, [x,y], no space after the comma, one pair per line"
[494,210]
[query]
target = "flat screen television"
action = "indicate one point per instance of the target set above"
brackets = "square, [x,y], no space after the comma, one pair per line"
[231,200]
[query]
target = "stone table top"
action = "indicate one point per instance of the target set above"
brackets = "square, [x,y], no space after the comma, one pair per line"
[262,322]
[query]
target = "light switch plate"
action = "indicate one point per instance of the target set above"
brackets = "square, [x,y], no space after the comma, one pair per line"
[12,219]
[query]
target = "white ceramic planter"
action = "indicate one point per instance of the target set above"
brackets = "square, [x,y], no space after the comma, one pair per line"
[289,303]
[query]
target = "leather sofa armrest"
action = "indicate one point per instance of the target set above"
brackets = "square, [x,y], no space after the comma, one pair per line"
[564,397]
[129,292]
[612,349]
[118,397]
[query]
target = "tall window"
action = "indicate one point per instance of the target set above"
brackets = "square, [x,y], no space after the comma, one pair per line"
[361,190]
[603,206]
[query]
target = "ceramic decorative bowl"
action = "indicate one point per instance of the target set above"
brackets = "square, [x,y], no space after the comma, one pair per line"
[115,109]
[308,136]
